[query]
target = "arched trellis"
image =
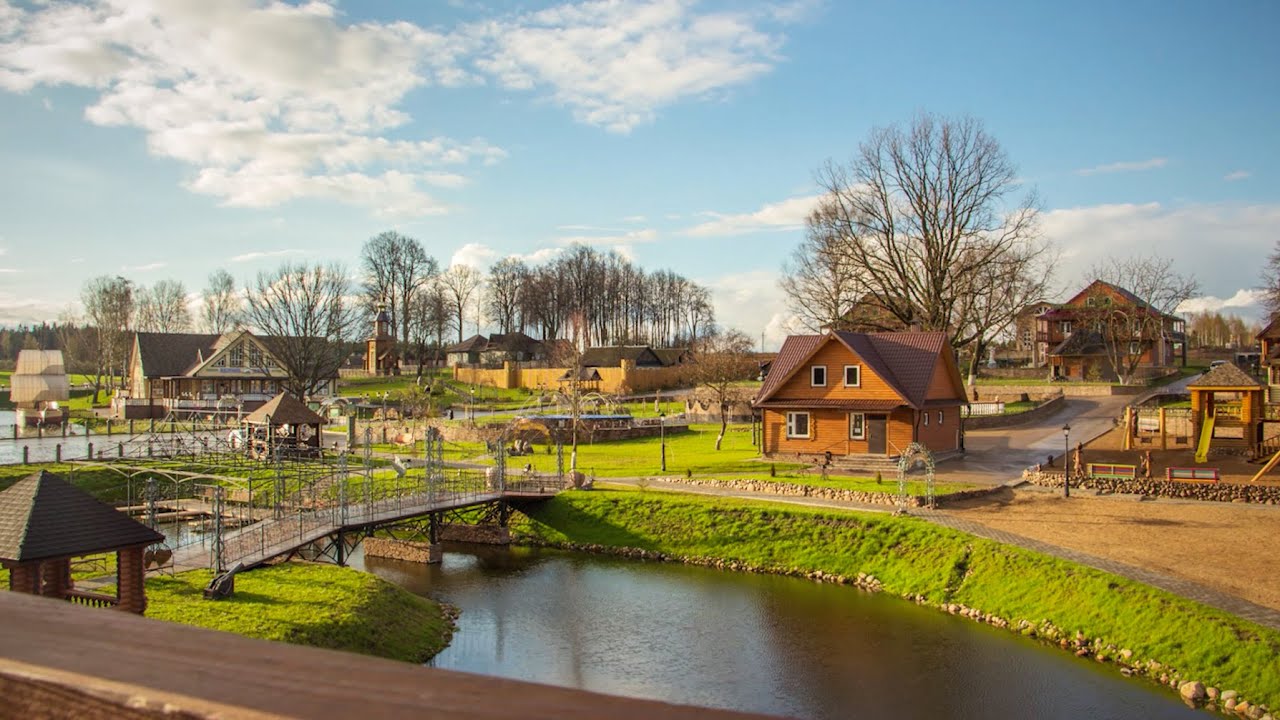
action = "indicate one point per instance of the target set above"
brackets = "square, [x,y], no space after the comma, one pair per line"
[915,454]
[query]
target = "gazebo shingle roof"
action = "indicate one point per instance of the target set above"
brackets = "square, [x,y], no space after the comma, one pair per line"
[44,516]
[284,409]
[1225,376]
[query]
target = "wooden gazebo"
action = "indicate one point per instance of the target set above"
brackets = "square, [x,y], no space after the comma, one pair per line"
[286,421]
[46,521]
[1236,403]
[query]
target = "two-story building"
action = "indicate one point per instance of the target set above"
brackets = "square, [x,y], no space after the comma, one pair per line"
[195,373]
[1269,358]
[852,393]
[1070,341]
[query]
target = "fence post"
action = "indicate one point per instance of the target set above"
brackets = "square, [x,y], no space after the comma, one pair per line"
[120,449]
[26,450]
[1164,431]
[57,452]
[90,451]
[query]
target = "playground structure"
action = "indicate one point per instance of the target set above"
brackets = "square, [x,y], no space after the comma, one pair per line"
[1229,413]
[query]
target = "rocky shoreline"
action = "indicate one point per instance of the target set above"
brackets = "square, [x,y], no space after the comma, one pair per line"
[888,498]
[1188,490]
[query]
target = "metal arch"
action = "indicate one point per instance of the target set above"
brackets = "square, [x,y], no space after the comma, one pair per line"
[916,453]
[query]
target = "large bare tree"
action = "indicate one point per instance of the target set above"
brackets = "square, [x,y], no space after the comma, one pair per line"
[822,284]
[460,283]
[505,286]
[1129,330]
[1020,278]
[721,362]
[305,315]
[221,306]
[109,306]
[163,308]
[396,268]
[923,214]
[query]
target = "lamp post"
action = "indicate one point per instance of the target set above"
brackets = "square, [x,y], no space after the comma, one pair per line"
[1066,460]
[662,433]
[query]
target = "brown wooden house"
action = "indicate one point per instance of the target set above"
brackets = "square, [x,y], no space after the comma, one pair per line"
[862,394]
[46,521]
[1076,350]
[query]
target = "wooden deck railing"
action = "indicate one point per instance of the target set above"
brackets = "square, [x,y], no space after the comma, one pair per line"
[90,599]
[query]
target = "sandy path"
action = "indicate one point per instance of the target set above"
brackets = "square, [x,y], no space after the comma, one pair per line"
[1224,546]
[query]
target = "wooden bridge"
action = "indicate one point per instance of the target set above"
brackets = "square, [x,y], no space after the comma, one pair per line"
[331,526]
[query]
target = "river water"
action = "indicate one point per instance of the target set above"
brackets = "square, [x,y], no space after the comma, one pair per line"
[755,643]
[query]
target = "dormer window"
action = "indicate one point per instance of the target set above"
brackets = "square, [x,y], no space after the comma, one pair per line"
[818,376]
[236,355]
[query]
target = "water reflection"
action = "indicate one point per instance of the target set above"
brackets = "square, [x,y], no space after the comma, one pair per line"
[756,643]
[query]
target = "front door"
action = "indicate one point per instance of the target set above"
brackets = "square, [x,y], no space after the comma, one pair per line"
[876,425]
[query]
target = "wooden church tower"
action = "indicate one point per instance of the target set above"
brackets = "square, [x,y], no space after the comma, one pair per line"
[380,356]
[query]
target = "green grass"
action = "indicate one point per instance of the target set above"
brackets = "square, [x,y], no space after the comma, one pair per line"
[888,485]
[318,605]
[913,557]
[1016,408]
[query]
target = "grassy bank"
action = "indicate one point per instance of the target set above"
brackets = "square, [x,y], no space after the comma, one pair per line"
[318,605]
[1025,591]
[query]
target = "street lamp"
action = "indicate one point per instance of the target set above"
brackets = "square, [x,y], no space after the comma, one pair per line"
[1066,462]
[662,433]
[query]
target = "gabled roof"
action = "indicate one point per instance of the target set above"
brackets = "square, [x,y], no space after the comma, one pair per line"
[44,516]
[671,356]
[1124,294]
[284,409]
[475,343]
[173,354]
[904,360]
[613,355]
[1272,330]
[513,342]
[1225,376]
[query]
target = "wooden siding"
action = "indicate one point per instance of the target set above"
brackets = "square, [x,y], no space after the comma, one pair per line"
[945,383]
[941,437]
[829,432]
[834,355]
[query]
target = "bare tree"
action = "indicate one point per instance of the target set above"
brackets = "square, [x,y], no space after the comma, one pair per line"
[722,361]
[221,305]
[305,317]
[460,283]
[163,308]
[1271,283]
[109,305]
[1128,329]
[821,283]
[923,215]
[396,268]
[502,301]
[1021,277]
[430,320]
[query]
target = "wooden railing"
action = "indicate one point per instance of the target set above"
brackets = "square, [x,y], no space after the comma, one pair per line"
[90,599]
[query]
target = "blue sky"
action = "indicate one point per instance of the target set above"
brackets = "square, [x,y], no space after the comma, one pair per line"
[165,139]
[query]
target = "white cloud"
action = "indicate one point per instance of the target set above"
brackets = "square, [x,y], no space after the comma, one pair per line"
[620,242]
[1222,245]
[785,215]
[1246,301]
[633,219]
[614,64]
[477,255]
[268,102]
[148,267]
[1129,166]
[539,256]
[8,270]
[753,303]
[1237,175]
[24,308]
[260,254]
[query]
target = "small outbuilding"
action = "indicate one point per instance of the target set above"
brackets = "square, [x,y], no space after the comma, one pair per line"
[46,521]
[285,421]
[1227,410]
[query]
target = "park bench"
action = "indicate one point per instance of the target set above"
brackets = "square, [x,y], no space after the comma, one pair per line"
[1194,474]
[1112,471]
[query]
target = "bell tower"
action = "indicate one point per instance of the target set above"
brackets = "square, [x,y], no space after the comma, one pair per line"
[380,349]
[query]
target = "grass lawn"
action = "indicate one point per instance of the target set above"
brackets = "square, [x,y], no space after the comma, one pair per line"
[913,557]
[309,604]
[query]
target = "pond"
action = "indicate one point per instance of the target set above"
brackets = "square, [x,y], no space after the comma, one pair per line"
[754,643]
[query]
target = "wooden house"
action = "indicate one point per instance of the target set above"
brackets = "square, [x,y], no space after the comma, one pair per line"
[496,349]
[1074,348]
[193,373]
[862,394]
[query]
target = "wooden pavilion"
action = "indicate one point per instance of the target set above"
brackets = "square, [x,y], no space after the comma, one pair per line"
[284,420]
[46,521]
[1235,402]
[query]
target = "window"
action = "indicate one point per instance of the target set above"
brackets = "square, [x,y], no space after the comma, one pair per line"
[255,356]
[857,426]
[818,376]
[940,417]
[926,418]
[1066,327]
[852,375]
[237,355]
[797,424]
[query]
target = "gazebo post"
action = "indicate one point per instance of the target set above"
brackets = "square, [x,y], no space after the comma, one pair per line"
[130,578]
[55,577]
[25,578]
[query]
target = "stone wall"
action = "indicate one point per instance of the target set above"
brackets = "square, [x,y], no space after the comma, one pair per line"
[482,534]
[888,497]
[986,422]
[1159,487]
[404,550]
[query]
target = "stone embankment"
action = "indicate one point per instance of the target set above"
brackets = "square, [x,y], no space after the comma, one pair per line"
[1193,692]
[888,498]
[1186,489]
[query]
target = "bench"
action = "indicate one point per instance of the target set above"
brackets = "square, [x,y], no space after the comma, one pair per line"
[1195,474]
[1111,471]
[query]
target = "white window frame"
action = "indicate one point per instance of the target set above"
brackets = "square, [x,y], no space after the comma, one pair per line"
[940,417]
[847,368]
[926,418]
[792,418]
[813,376]
[862,433]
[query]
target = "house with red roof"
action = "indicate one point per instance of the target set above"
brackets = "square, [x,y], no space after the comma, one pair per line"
[850,393]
